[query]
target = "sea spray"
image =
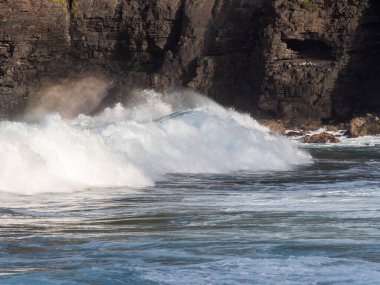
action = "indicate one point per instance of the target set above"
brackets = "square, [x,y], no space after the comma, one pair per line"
[68,97]
[138,144]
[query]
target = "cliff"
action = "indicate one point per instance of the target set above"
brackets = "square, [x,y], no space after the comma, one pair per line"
[284,59]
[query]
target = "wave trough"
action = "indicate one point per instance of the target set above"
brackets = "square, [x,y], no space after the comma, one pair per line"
[136,145]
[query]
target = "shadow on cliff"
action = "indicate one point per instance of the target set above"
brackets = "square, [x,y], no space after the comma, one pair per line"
[357,90]
[237,43]
[138,53]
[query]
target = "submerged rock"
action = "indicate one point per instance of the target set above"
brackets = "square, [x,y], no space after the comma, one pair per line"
[364,126]
[294,134]
[321,138]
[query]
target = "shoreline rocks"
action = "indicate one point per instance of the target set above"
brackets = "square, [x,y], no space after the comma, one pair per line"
[368,125]
[321,138]
[290,130]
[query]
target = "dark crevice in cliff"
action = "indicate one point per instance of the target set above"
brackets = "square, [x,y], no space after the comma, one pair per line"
[174,37]
[235,28]
[157,55]
[311,49]
[191,72]
[120,52]
[71,28]
[235,41]
[215,41]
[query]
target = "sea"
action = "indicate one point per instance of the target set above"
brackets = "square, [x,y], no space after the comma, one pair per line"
[175,189]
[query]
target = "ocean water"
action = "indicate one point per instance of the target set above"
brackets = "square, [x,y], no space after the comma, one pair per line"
[177,190]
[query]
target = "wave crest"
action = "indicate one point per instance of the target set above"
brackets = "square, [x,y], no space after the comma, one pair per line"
[154,134]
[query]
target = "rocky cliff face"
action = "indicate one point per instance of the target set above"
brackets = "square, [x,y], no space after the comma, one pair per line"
[311,42]
[288,59]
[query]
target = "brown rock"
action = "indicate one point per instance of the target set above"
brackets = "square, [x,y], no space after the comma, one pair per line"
[294,134]
[364,126]
[321,138]
[277,127]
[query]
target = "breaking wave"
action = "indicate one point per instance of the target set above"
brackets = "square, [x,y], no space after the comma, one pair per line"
[137,145]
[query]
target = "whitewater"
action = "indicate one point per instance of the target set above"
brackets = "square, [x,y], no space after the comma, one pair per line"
[136,145]
[171,188]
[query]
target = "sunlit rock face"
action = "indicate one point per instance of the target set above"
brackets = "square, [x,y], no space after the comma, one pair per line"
[299,59]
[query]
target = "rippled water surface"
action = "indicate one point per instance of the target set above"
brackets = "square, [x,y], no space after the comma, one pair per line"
[317,224]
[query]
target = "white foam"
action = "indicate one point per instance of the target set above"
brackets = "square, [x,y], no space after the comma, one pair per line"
[365,141]
[136,145]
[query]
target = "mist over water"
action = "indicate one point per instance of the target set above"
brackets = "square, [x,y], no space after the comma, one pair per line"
[136,145]
[68,97]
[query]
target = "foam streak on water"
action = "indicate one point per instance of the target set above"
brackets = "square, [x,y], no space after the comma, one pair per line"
[136,145]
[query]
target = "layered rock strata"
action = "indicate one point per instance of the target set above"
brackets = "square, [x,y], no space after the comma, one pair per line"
[284,59]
